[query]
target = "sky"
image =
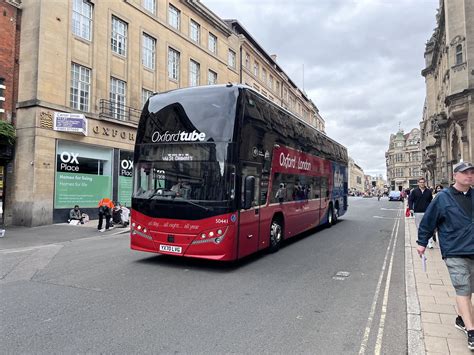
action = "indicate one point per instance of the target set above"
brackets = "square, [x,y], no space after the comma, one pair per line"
[359,61]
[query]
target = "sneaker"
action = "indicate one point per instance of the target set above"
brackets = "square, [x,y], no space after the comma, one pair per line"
[470,339]
[430,245]
[459,323]
[102,230]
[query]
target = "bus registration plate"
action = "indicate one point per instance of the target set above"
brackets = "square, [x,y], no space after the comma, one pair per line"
[170,248]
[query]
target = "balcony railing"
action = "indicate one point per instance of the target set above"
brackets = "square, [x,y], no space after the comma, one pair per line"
[116,111]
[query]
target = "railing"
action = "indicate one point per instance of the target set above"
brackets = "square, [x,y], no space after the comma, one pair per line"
[116,111]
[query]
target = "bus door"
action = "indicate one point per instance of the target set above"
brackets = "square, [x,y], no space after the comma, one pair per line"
[325,198]
[249,215]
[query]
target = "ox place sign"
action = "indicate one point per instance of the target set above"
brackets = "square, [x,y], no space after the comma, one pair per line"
[112,132]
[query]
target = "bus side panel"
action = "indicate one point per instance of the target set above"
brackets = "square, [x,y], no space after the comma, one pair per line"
[339,191]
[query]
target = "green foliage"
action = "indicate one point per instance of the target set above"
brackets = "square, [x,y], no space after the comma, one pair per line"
[7,132]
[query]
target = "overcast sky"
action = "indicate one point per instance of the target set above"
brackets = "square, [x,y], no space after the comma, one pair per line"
[362,62]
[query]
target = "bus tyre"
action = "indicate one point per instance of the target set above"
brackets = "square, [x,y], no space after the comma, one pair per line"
[276,235]
[330,217]
[335,216]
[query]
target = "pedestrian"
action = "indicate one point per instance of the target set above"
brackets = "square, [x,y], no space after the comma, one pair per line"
[105,212]
[437,189]
[75,216]
[418,201]
[281,193]
[452,213]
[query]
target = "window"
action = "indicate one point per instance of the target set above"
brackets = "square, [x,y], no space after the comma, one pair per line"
[148,55]
[150,6]
[270,83]
[212,43]
[80,87]
[256,69]
[2,96]
[264,76]
[145,96]
[82,19]
[278,87]
[173,64]
[118,98]
[211,77]
[247,61]
[195,31]
[174,17]
[459,54]
[119,36]
[231,58]
[194,73]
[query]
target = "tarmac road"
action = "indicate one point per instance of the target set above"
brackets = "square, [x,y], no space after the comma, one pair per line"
[96,295]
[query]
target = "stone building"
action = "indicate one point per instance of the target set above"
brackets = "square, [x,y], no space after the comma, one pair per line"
[447,128]
[261,71]
[403,160]
[356,177]
[10,24]
[86,69]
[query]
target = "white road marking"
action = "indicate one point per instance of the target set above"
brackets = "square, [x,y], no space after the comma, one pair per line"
[378,343]
[365,339]
[382,217]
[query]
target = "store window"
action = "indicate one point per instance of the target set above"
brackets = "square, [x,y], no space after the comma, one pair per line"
[83,175]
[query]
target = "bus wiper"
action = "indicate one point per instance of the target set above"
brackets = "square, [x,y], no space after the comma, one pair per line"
[198,205]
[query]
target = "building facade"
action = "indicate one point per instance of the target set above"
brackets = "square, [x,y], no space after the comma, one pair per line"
[403,160]
[261,71]
[356,178]
[10,25]
[87,68]
[447,129]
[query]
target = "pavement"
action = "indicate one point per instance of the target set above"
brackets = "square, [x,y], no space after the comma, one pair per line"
[430,297]
[431,301]
[26,237]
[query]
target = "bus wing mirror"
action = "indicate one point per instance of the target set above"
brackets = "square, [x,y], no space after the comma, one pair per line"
[249,192]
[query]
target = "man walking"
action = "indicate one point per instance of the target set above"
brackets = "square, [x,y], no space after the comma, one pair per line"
[418,201]
[452,213]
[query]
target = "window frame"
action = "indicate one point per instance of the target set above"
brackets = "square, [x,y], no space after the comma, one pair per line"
[212,46]
[174,17]
[118,98]
[146,5]
[232,59]
[458,54]
[148,54]
[194,75]
[117,37]
[197,31]
[214,77]
[80,86]
[174,58]
[81,19]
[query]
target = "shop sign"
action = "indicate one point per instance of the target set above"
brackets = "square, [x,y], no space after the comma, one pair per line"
[70,122]
[125,182]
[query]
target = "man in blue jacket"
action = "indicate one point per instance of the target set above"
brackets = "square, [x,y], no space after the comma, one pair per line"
[452,213]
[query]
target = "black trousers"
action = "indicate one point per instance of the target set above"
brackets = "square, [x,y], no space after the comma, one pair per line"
[107,220]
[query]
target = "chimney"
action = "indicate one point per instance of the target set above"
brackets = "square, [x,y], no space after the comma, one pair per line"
[274,57]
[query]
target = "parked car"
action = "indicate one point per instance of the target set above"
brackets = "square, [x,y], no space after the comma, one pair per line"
[395,196]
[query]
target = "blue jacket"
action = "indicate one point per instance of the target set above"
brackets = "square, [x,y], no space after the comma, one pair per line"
[455,227]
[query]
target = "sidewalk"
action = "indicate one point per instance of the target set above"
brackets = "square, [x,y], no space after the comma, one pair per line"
[430,302]
[23,237]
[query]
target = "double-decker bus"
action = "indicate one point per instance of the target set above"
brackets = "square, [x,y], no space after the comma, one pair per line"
[220,172]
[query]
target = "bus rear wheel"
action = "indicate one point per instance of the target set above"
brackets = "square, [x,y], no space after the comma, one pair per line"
[276,235]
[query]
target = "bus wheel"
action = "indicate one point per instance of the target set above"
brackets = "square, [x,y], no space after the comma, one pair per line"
[335,216]
[330,217]
[276,235]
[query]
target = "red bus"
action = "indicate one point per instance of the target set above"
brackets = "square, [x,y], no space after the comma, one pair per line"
[220,172]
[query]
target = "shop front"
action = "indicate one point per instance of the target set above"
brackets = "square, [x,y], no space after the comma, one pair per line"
[87,173]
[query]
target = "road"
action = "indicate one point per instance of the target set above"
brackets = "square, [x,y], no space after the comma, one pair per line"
[330,291]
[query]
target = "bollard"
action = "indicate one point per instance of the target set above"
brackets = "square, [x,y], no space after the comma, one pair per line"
[2,233]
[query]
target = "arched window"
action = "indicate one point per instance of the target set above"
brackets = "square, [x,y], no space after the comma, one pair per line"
[459,54]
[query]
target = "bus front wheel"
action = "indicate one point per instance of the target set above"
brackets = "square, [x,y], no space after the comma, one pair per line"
[276,235]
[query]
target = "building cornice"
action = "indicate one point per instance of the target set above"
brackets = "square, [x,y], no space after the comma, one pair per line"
[450,99]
